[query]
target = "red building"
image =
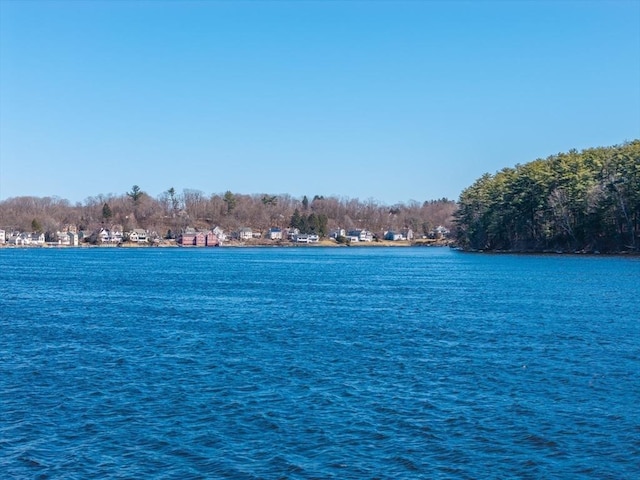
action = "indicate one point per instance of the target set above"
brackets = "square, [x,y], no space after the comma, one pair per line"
[198,239]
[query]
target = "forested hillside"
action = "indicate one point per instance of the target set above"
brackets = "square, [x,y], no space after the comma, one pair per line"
[172,211]
[575,201]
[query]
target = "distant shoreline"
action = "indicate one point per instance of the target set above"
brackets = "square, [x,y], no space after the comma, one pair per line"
[254,243]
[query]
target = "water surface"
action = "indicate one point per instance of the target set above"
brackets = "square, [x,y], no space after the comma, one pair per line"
[318,363]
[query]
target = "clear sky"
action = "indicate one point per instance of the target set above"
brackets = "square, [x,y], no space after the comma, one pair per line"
[392,101]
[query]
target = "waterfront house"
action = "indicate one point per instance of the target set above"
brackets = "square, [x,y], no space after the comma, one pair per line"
[219,233]
[301,238]
[393,236]
[407,233]
[199,239]
[73,239]
[19,239]
[361,235]
[306,238]
[103,235]
[192,238]
[187,237]
[138,235]
[211,239]
[37,238]
[245,234]
[439,232]
[3,236]
[62,239]
[292,233]
[274,234]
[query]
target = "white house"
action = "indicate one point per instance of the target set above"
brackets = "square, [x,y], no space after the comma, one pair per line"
[138,235]
[407,233]
[362,235]
[292,233]
[63,238]
[37,238]
[3,236]
[19,239]
[218,232]
[338,232]
[393,236]
[274,234]
[73,239]
[440,231]
[245,234]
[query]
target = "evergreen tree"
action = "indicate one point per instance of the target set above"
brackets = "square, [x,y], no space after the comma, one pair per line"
[585,200]
[296,220]
[35,226]
[135,194]
[106,212]
[230,200]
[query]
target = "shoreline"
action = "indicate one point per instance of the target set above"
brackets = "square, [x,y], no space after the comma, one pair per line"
[256,243]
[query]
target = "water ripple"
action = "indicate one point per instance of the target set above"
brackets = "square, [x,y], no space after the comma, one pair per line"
[314,363]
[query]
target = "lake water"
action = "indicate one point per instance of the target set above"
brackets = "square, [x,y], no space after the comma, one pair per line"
[307,363]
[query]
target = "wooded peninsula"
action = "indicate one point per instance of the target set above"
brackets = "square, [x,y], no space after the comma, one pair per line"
[586,201]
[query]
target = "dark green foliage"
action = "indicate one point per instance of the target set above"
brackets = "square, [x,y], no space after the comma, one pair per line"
[35,226]
[135,194]
[313,223]
[296,220]
[106,212]
[230,200]
[271,200]
[587,200]
[175,203]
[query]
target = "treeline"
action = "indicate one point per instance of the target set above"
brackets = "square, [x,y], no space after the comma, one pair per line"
[575,201]
[171,211]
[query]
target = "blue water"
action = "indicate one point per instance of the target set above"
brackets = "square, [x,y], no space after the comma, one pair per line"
[309,363]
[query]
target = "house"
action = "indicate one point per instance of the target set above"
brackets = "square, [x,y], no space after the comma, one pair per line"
[186,238]
[306,238]
[74,239]
[338,232]
[37,238]
[439,232]
[103,235]
[19,239]
[138,235]
[211,239]
[199,239]
[393,236]
[3,236]
[361,235]
[190,237]
[116,236]
[63,238]
[220,235]
[292,233]
[84,235]
[245,234]
[301,238]
[407,233]
[274,234]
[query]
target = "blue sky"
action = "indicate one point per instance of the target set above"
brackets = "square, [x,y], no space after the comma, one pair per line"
[391,101]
